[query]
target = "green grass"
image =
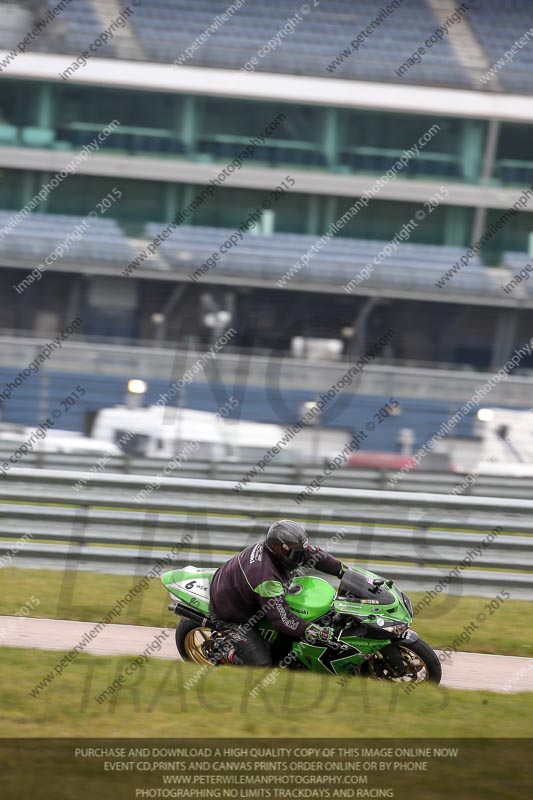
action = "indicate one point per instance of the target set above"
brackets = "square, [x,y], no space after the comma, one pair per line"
[154,702]
[84,596]
[88,596]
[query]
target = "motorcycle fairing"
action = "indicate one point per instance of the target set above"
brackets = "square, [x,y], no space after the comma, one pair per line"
[191,585]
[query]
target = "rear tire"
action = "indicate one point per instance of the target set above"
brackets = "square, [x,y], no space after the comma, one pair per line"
[421,661]
[189,639]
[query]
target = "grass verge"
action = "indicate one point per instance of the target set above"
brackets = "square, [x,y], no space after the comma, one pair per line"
[156,702]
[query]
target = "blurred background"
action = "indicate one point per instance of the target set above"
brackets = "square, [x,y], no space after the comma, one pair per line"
[178,81]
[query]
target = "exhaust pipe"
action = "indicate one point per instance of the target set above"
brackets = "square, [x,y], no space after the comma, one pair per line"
[177,607]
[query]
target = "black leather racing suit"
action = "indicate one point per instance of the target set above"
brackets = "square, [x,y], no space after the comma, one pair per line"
[252,585]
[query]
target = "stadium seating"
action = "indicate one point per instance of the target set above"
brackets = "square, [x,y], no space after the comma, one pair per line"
[256,256]
[271,257]
[265,258]
[80,27]
[37,235]
[165,28]
[14,22]
[498,24]
[515,262]
[73,30]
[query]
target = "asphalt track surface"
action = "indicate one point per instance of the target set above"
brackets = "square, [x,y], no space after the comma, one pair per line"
[460,671]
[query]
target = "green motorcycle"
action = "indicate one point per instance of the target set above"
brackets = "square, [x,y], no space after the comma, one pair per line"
[370,615]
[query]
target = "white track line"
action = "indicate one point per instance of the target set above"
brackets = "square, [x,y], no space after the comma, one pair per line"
[461,671]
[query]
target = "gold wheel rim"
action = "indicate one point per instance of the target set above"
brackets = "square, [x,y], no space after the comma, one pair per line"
[415,664]
[193,642]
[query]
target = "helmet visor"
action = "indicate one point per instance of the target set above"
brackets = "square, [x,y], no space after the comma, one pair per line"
[297,556]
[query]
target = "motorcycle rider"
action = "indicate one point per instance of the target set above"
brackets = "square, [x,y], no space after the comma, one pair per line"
[252,585]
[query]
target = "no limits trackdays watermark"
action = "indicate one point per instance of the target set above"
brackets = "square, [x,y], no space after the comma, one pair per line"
[195,369]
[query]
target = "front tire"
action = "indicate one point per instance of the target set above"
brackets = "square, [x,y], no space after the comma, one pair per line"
[420,660]
[190,636]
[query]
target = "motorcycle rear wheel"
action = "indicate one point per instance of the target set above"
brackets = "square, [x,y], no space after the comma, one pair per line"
[421,662]
[190,636]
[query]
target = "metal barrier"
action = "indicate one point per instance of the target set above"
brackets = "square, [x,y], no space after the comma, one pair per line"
[415,538]
[284,473]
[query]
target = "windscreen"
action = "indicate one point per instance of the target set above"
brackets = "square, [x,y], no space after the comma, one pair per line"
[355,586]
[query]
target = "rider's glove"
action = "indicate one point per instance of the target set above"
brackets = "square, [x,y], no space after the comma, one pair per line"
[315,634]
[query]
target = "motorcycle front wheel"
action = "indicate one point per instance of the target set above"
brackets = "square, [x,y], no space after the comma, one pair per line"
[420,661]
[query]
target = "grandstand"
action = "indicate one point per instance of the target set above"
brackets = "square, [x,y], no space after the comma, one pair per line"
[473,41]
[190,86]
[37,236]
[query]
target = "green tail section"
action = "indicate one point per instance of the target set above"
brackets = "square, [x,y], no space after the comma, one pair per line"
[190,584]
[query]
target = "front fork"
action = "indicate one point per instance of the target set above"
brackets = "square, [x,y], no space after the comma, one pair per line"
[393,656]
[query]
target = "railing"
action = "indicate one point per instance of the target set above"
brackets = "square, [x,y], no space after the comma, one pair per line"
[435,482]
[416,538]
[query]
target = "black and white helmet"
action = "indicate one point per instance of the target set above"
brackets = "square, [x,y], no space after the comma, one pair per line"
[287,541]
